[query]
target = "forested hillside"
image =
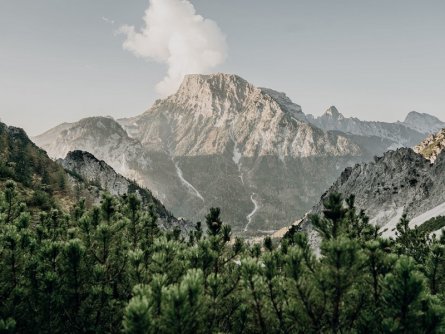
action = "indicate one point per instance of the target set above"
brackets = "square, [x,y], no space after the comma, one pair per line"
[110,269]
[41,181]
[46,184]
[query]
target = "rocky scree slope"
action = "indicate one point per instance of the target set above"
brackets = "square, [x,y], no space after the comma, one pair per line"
[399,182]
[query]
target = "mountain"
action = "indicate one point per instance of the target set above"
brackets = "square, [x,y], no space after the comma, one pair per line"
[211,113]
[97,172]
[218,136]
[400,134]
[101,135]
[41,181]
[399,182]
[423,123]
[45,183]
[432,146]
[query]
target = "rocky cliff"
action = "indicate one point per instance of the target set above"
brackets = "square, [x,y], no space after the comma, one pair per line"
[399,182]
[99,173]
[432,146]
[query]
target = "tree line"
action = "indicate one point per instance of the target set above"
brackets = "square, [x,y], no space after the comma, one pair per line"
[110,268]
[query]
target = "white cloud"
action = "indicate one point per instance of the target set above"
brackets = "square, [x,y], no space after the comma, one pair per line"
[175,35]
[106,19]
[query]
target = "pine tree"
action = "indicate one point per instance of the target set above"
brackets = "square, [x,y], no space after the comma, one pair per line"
[110,268]
[213,221]
[408,307]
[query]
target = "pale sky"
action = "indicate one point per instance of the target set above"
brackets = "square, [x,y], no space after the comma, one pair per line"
[62,60]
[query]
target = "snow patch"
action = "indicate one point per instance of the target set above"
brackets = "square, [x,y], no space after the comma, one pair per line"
[390,227]
[236,154]
[250,215]
[396,214]
[186,183]
[434,212]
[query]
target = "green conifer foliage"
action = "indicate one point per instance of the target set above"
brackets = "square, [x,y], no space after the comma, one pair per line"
[110,268]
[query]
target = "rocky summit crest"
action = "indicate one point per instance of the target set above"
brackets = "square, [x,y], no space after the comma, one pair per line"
[423,123]
[333,112]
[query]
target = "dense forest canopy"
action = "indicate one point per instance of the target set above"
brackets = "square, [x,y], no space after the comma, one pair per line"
[109,268]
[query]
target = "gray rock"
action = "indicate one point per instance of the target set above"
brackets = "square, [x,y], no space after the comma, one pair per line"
[99,173]
[432,146]
[399,182]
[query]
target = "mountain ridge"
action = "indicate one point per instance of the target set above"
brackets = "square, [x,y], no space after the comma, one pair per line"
[218,107]
[423,122]
[396,183]
[399,133]
[220,135]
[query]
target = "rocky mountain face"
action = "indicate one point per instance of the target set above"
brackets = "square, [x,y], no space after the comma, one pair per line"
[432,146]
[211,113]
[394,135]
[45,182]
[99,173]
[218,136]
[399,182]
[221,141]
[96,171]
[101,135]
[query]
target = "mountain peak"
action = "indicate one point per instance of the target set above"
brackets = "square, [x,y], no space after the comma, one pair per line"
[423,123]
[413,115]
[285,103]
[333,112]
[214,77]
[221,94]
[215,82]
[79,155]
[205,94]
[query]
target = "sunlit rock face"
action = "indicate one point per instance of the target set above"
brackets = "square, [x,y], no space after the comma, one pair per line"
[432,146]
[221,141]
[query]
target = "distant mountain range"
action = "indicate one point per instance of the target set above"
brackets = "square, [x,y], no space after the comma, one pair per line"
[401,134]
[220,141]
